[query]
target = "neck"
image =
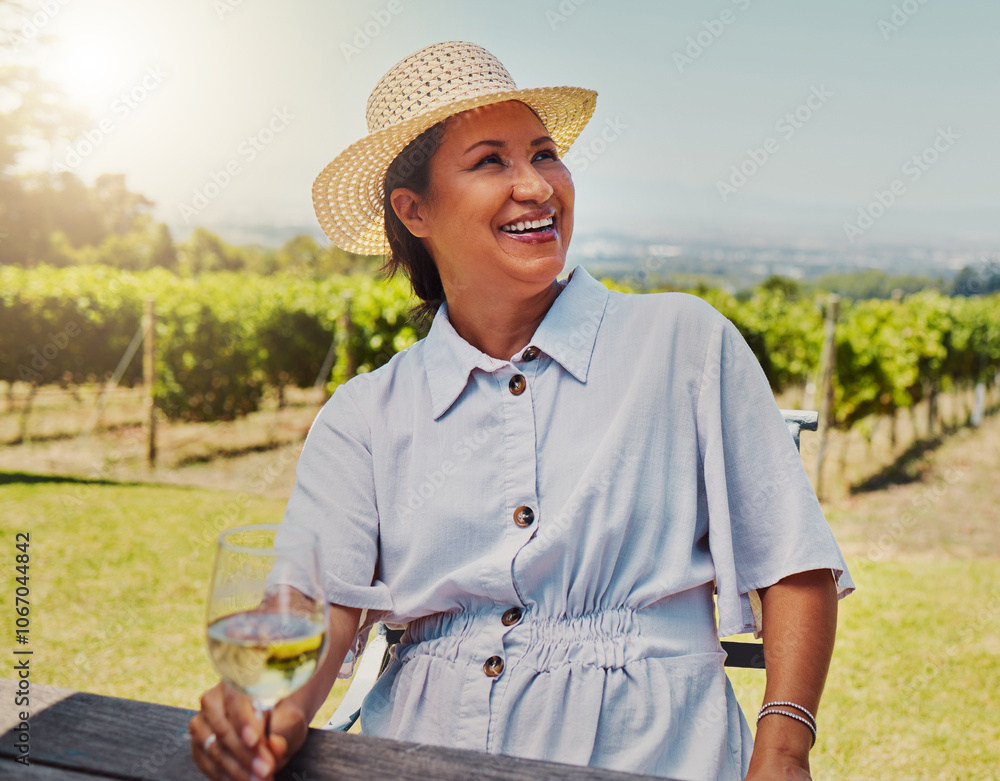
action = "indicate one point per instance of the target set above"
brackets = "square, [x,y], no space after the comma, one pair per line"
[499,325]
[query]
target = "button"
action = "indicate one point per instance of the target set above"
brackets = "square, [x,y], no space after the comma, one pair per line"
[530,354]
[517,384]
[493,667]
[511,617]
[524,516]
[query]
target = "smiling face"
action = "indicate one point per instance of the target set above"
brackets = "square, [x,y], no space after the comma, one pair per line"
[498,215]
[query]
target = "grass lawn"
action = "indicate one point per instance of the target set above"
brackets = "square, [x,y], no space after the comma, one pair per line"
[119,574]
[912,687]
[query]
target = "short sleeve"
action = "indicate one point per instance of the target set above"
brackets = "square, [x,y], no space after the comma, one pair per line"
[765,522]
[334,495]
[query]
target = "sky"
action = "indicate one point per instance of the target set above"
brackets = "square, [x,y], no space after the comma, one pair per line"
[848,123]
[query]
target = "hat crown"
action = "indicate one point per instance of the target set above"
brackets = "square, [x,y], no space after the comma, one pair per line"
[435,76]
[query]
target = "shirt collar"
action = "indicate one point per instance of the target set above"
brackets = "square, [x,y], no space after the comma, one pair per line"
[567,334]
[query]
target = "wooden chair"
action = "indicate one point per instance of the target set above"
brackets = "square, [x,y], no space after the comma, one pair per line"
[378,652]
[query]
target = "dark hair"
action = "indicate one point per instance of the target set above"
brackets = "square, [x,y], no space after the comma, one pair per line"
[411,169]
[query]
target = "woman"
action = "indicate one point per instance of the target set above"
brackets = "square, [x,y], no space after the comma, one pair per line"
[551,486]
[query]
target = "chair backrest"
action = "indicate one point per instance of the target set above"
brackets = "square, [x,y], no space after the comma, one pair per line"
[377,653]
[751,655]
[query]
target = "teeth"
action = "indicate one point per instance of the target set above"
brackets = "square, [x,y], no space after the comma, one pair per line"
[520,227]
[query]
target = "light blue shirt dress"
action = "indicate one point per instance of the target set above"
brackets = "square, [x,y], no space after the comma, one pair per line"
[552,528]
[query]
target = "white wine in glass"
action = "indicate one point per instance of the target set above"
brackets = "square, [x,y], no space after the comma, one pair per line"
[267,616]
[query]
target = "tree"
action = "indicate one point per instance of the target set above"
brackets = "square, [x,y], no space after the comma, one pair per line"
[46,216]
[205,251]
[163,252]
[120,209]
[978,279]
[299,255]
[333,260]
[784,286]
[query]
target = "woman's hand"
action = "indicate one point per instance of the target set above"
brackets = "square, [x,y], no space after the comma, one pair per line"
[238,751]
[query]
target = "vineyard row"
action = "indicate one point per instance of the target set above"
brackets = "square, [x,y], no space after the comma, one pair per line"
[224,339]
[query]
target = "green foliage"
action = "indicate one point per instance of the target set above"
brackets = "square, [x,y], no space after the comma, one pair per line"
[783,286]
[205,251]
[225,338]
[875,363]
[979,278]
[65,325]
[143,247]
[873,283]
[380,325]
[890,354]
[893,354]
[57,220]
[207,354]
[791,330]
[222,339]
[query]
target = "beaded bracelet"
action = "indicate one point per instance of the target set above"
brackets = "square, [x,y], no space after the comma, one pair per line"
[795,705]
[774,711]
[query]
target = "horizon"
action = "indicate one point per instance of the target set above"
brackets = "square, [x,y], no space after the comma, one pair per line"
[856,126]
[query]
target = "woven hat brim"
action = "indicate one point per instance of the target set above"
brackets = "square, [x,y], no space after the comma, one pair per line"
[348,196]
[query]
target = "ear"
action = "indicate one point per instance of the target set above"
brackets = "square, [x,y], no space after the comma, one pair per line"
[408,207]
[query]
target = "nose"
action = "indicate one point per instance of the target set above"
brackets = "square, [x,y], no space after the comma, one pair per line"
[530,185]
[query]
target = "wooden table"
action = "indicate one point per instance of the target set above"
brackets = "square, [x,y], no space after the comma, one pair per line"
[79,737]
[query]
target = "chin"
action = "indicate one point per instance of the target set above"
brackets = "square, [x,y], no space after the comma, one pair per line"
[544,269]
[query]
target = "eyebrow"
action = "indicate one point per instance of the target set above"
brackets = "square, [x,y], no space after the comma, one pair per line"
[500,144]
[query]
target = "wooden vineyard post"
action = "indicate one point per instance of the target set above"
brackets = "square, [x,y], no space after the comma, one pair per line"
[324,371]
[340,350]
[149,378]
[827,364]
[24,435]
[347,335]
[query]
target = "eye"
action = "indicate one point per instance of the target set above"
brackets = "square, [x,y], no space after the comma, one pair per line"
[491,159]
[546,154]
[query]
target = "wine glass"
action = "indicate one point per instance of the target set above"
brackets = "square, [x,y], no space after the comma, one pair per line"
[267,614]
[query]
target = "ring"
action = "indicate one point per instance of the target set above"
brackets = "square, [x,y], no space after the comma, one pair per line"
[208,742]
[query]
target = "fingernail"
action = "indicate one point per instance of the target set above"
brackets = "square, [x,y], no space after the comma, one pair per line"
[260,768]
[249,736]
[254,778]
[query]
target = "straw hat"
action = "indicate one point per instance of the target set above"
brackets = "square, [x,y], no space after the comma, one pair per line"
[418,92]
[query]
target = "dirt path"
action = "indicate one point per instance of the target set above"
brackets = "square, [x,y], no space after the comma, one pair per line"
[946,507]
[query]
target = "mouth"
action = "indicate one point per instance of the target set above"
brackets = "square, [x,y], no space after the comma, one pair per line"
[541,226]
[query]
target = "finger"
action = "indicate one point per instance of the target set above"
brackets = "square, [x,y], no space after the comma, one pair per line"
[247,723]
[226,717]
[289,730]
[214,761]
[249,727]
[199,732]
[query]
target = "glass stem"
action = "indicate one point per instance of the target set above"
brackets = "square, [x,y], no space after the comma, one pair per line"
[265,716]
